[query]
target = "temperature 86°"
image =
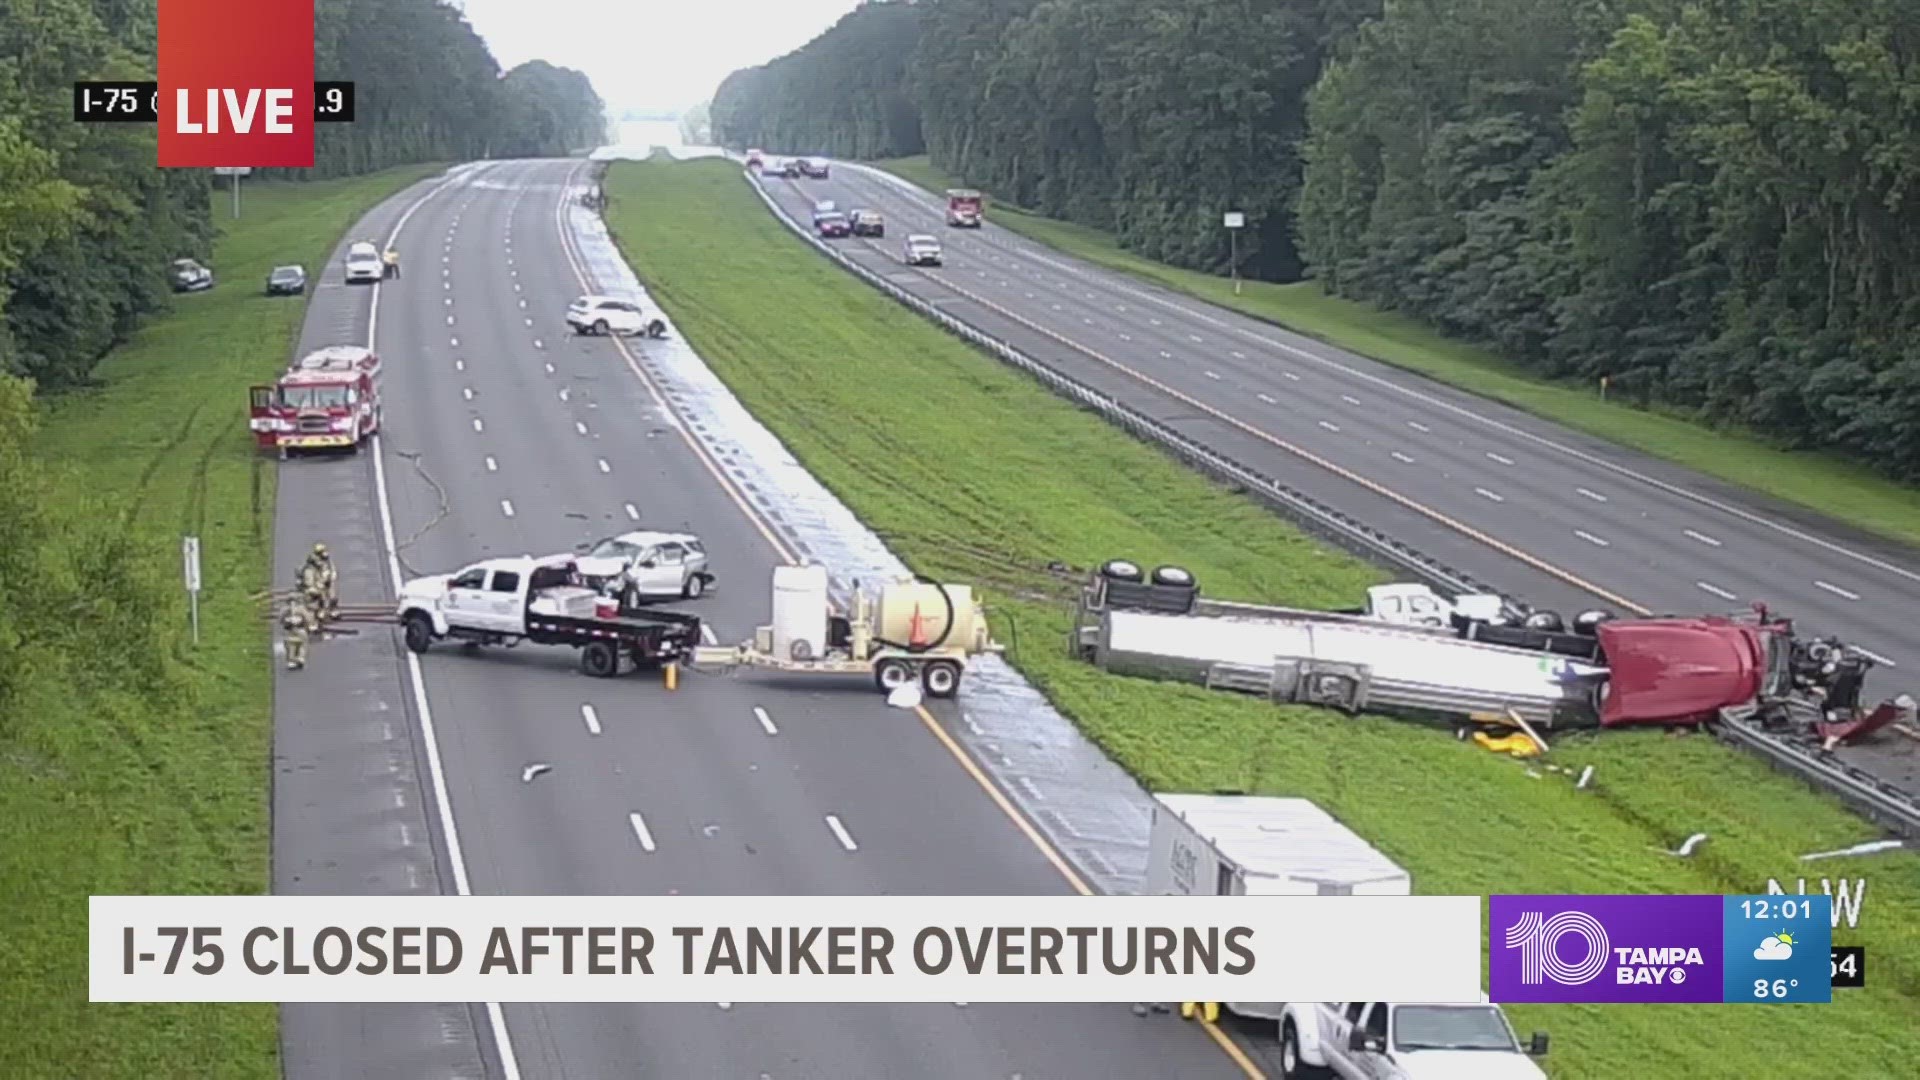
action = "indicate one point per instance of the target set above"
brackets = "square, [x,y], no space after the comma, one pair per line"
[1764,989]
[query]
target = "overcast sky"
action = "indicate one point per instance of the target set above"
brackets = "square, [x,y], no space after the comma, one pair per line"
[649,54]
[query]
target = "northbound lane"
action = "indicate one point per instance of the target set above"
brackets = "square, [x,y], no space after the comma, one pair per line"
[504,435]
[1558,518]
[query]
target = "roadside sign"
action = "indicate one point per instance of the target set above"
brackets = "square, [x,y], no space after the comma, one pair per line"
[190,551]
[233,170]
[1236,219]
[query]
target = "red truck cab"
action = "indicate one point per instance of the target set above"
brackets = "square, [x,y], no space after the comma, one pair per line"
[755,159]
[965,208]
[327,399]
[1684,670]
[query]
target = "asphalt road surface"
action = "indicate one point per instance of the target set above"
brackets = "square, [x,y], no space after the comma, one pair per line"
[1558,518]
[505,435]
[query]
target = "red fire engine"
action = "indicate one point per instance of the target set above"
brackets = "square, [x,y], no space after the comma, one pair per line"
[329,398]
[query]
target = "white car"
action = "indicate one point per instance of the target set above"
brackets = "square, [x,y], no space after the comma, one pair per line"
[921,250]
[611,315]
[1381,1040]
[648,564]
[363,263]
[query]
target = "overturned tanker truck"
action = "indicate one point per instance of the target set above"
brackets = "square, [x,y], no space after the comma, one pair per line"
[1484,660]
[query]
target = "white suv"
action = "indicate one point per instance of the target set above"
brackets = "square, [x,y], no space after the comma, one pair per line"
[646,565]
[921,250]
[363,263]
[612,315]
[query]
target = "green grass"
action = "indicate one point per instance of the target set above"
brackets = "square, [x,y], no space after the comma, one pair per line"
[974,473]
[1822,482]
[135,803]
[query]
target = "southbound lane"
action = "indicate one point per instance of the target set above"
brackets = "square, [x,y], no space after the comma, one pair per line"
[1559,518]
[728,785]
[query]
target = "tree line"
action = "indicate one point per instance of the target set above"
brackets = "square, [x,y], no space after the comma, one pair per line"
[1710,203]
[88,224]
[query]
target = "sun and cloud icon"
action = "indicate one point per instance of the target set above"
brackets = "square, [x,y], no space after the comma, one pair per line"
[1778,947]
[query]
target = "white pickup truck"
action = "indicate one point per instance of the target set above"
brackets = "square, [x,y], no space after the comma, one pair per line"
[1385,1040]
[507,601]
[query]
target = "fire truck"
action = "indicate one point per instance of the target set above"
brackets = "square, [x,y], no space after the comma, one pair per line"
[327,399]
[965,208]
[1482,665]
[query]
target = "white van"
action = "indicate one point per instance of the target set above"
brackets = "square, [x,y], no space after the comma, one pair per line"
[363,263]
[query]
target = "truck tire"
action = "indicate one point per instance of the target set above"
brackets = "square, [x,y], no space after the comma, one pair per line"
[599,660]
[1292,1067]
[694,588]
[940,679]
[656,328]
[891,674]
[418,630]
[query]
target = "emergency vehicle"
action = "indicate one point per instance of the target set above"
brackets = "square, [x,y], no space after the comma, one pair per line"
[327,399]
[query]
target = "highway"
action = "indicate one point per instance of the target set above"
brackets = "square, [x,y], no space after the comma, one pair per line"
[505,435]
[1555,517]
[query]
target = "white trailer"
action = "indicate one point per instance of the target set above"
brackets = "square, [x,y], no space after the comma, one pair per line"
[1245,845]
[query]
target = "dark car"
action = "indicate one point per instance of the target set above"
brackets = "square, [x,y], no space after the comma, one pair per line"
[186,275]
[287,281]
[868,223]
[832,224]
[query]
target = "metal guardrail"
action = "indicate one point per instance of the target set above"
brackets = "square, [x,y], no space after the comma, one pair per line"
[1877,800]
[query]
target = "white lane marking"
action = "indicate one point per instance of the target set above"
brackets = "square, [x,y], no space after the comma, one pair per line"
[1165,354]
[1155,322]
[449,320]
[1119,307]
[1490,494]
[579,427]
[1195,337]
[840,833]
[516,286]
[766,722]
[1329,427]
[1590,538]
[549,369]
[1418,426]
[563,393]
[1836,590]
[468,391]
[706,634]
[446,284]
[1086,320]
[1056,307]
[1029,296]
[455,342]
[634,513]
[1266,399]
[1703,538]
[1349,399]
[459,365]
[492,465]
[1873,656]
[1398,456]
[506,507]
[477,425]
[1239,356]
[1715,590]
[523,302]
[538,344]
[640,830]
[604,467]
[1291,375]
[1126,337]
[1491,456]
[1212,375]
[592,718]
[449,301]
[1594,495]
[529,322]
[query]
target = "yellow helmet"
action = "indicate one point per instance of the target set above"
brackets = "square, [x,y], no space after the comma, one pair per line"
[319,549]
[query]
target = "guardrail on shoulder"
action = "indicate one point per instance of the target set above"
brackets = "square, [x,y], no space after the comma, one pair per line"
[1316,517]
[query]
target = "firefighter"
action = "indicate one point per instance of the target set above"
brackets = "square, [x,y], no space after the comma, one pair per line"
[317,582]
[393,263]
[299,622]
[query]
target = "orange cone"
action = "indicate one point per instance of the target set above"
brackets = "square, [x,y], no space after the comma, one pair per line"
[916,629]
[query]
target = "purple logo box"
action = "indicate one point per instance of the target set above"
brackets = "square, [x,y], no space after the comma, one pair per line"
[1606,949]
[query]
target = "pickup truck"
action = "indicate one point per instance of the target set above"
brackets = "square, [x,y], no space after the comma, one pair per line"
[545,601]
[1385,1040]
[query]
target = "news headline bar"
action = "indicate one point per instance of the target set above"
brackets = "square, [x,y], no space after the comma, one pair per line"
[850,949]
[139,102]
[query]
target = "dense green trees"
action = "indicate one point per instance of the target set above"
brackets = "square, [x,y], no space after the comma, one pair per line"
[844,95]
[1713,203]
[88,224]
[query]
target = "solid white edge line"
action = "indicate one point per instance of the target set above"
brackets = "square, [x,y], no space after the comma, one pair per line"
[640,830]
[841,834]
[436,770]
[766,722]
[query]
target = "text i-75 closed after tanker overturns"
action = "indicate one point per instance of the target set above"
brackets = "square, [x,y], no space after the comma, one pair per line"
[236,84]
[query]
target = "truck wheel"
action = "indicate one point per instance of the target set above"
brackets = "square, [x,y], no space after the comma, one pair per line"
[941,679]
[419,632]
[599,660]
[694,587]
[1292,1067]
[656,328]
[891,674]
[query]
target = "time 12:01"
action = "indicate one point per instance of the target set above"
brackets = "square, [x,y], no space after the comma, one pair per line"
[1784,909]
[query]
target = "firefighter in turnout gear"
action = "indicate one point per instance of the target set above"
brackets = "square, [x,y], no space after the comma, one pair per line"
[299,622]
[392,263]
[317,581]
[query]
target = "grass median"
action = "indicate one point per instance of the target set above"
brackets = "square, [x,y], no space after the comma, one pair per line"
[1822,482]
[973,472]
[103,790]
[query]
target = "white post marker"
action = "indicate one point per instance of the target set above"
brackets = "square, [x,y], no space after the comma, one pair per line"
[1235,221]
[190,556]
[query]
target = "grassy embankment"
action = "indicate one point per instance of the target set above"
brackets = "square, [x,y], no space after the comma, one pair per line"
[944,451]
[1821,482]
[150,801]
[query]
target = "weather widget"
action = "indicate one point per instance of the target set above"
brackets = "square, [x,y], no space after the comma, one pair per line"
[1778,948]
